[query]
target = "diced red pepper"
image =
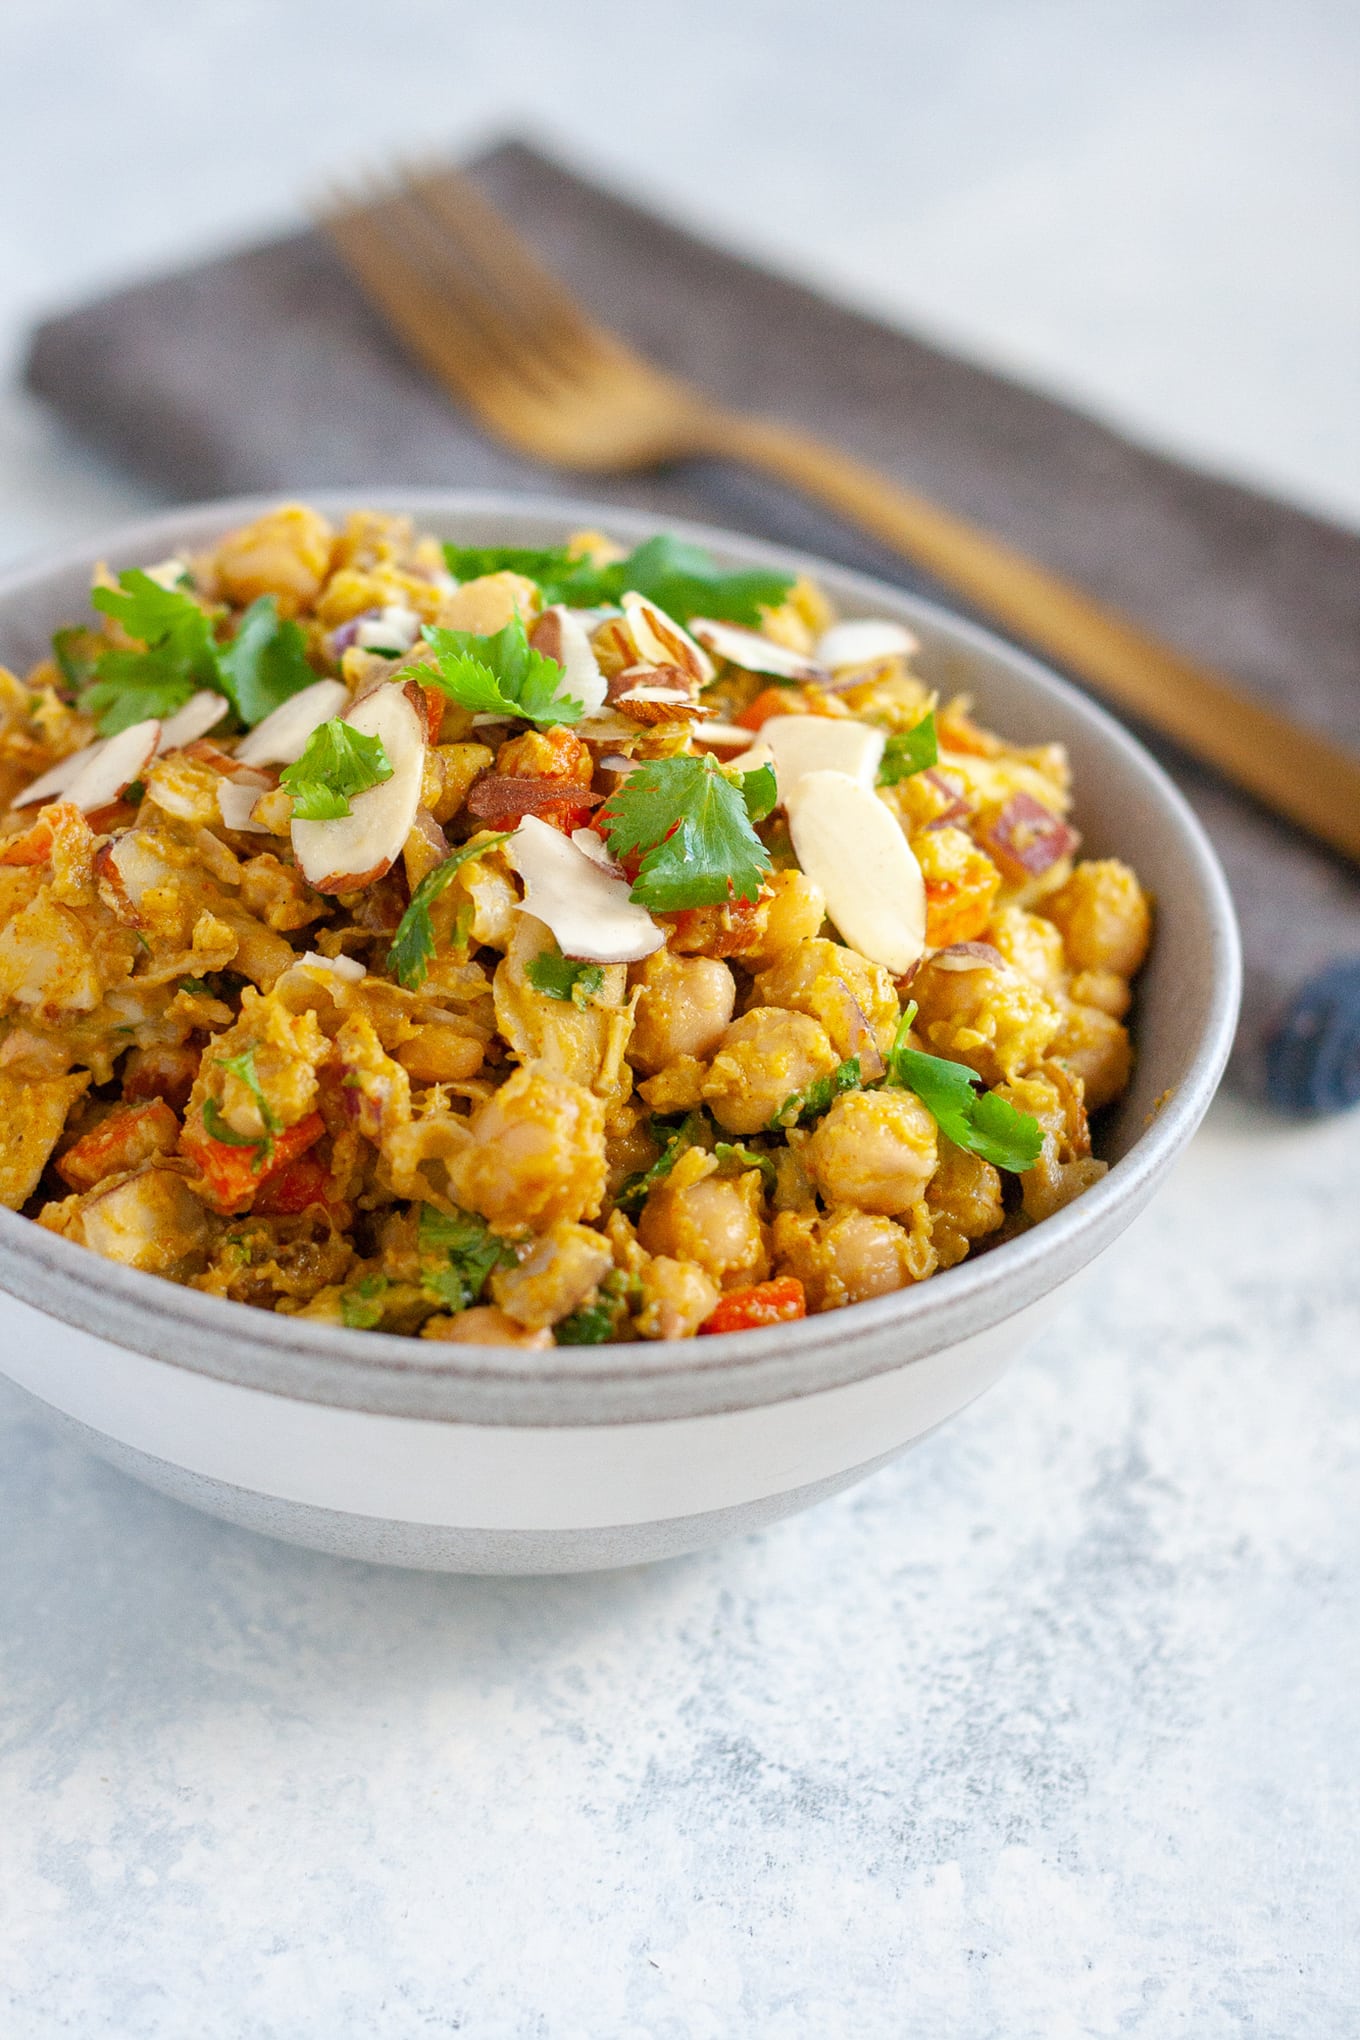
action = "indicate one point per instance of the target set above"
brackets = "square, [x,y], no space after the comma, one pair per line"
[764,1303]
[292,1189]
[958,910]
[129,1135]
[234,1176]
[770,701]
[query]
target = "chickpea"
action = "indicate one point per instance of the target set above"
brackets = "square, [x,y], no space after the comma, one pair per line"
[1097,1049]
[438,1053]
[836,986]
[685,1003]
[1103,988]
[555,1277]
[1031,945]
[677,1297]
[850,1256]
[696,1215]
[1104,916]
[286,554]
[536,1154]
[765,1055]
[875,1150]
[993,1019]
[484,1325]
[794,911]
[964,1198]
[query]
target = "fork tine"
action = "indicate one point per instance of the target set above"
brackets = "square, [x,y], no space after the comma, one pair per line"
[507,266]
[413,237]
[451,345]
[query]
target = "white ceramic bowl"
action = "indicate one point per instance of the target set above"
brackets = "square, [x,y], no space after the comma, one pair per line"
[494,1460]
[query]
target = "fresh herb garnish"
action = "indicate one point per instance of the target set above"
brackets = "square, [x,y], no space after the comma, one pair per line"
[177,652]
[469,1250]
[675,1139]
[242,1067]
[561,978]
[817,1097]
[337,763]
[361,1307]
[412,948]
[909,751]
[681,579]
[746,1158]
[693,826]
[76,651]
[980,1121]
[500,675]
[596,1323]
[265,663]
[198,988]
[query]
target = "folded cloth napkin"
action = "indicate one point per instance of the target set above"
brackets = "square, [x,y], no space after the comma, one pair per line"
[267,369]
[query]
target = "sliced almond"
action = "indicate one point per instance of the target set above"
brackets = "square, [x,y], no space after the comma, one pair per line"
[821,743]
[754,653]
[347,967]
[660,641]
[201,712]
[114,766]
[861,640]
[359,848]
[848,843]
[282,737]
[645,694]
[58,777]
[588,911]
[236,800]
[560,635]
[721,736]
[597,850]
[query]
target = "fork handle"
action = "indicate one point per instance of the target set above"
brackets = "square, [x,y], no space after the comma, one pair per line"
[1292,770]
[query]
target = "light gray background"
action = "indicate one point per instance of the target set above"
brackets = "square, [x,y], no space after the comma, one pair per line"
[1049,1731]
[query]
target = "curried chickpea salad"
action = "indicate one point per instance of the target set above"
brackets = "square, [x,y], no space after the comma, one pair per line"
[527,947]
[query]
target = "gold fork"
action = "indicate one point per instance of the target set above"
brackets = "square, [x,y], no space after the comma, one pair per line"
[464,292]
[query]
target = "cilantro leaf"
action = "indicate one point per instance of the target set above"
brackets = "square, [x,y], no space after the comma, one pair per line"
[675,1139]
[909,751]
[552,567]
[470,1252]
[243,1069]
[337,763]
[560,978]
[361,1307]
[178,654]
[987,1125]
[413,944]
[760,791]
[261,666]
[76,651]
[680,578]
[501,675]
[745,1158]
[692,826]
[817,1097]
[265,662]
[594,1324]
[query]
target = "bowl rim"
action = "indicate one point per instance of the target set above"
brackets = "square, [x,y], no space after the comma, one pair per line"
[387,1374]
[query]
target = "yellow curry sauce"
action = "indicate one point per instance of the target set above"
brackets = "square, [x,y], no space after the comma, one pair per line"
[505,947]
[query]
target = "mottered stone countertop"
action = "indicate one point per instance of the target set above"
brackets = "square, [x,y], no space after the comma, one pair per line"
[1048,1730]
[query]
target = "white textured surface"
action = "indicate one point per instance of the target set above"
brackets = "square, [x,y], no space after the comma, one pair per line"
[1048,1731]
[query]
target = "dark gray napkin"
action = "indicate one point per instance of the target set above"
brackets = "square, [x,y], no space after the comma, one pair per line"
[266,369]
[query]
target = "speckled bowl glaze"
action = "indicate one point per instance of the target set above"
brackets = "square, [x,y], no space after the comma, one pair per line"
[494,1460]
